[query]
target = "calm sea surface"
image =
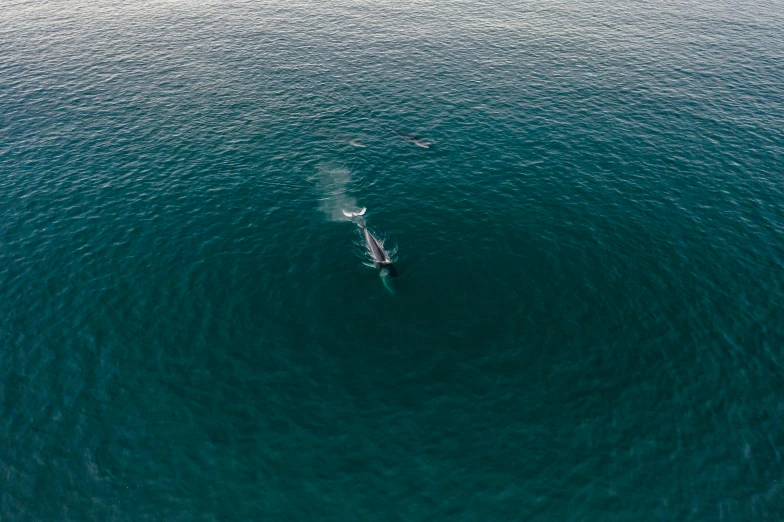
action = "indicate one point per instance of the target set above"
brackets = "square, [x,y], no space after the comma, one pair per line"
[588,318]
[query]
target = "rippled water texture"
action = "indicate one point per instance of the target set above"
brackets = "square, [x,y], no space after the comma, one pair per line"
[587,322]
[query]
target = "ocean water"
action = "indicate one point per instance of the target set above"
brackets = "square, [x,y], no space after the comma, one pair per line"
[588,318]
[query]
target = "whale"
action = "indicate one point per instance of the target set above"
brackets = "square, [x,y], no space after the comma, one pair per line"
[375,248]
[354,142]
[416,140]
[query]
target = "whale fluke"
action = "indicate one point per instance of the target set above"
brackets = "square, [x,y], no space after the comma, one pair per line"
[348,214]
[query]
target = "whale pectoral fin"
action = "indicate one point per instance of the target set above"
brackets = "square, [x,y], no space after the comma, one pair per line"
[369,264]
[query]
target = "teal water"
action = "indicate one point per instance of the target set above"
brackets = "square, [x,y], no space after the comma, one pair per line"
[587,322]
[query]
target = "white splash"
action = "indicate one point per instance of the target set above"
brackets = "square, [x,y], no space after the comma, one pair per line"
[333,183]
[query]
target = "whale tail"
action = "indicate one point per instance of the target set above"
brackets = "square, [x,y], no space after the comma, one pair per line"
[360,212]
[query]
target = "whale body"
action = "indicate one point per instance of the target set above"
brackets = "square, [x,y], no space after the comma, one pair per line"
[375,247]
[416,140]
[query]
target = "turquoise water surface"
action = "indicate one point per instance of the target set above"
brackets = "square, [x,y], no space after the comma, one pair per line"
[588,318]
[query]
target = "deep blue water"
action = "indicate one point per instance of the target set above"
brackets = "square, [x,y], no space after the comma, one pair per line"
[588,318]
